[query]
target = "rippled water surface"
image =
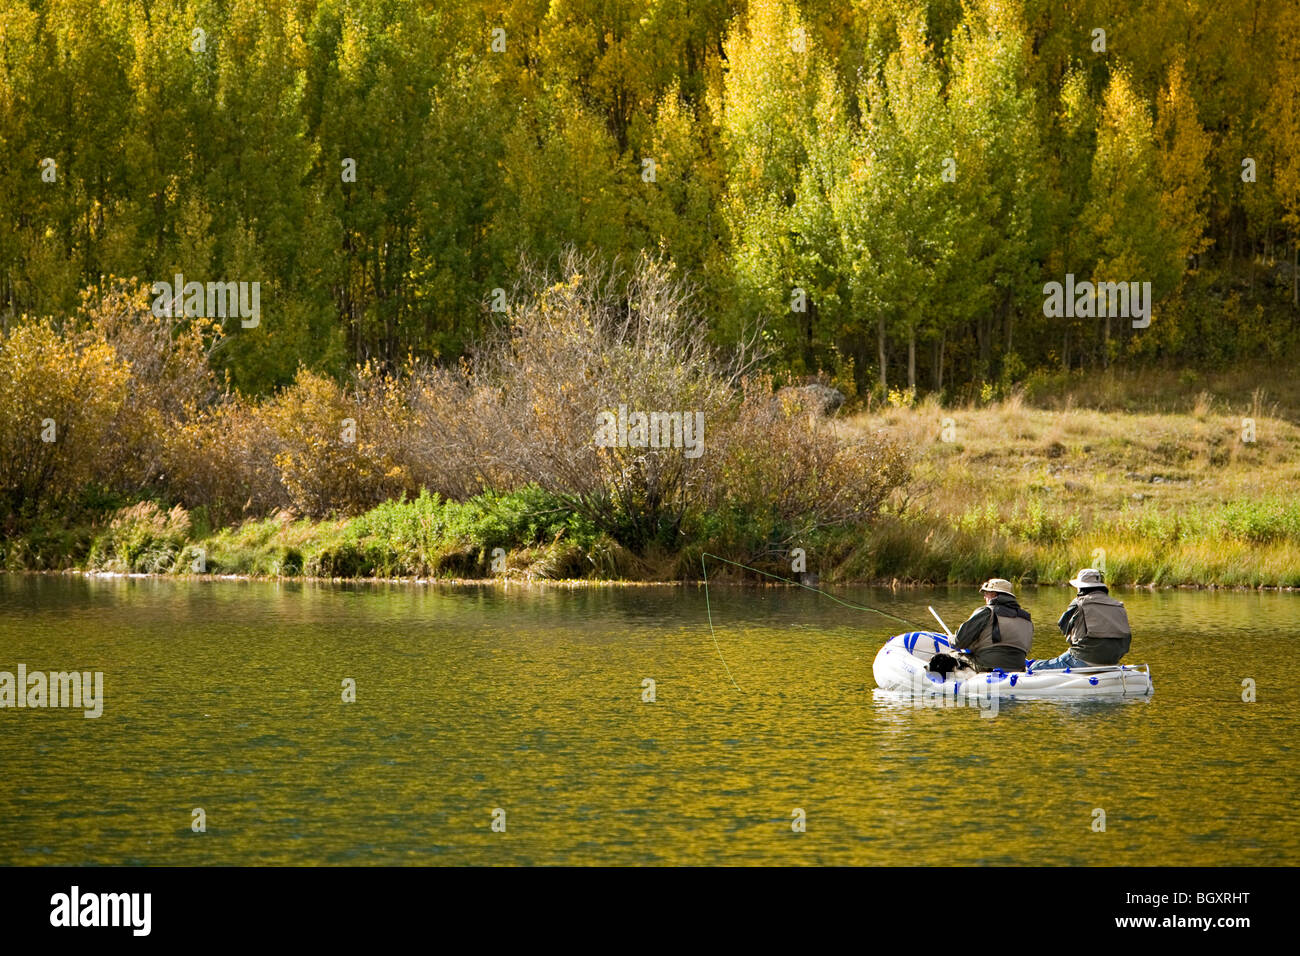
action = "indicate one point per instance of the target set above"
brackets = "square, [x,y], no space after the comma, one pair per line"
[226,696]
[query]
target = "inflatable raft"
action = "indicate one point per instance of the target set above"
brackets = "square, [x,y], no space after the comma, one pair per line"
[901,666]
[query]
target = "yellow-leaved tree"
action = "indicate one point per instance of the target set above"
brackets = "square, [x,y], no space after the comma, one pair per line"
[1184,147]
[1283,129]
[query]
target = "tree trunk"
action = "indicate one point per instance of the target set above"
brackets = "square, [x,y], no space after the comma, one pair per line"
[809,358]
[983,331]
[860,351]
[938,362]
[1010,318]
[911,357]
[880,343]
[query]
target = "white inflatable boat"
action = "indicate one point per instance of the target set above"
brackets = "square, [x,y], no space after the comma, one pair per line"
[901,666]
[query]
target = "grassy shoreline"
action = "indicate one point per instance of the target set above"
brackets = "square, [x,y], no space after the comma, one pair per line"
[1160,498]
[1032,494]
[580,583]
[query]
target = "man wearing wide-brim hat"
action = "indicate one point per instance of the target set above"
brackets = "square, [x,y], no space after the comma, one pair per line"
[999,634]
[1095,626]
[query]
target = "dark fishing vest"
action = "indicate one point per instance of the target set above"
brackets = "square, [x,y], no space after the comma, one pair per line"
[1099,616]
[1007,626]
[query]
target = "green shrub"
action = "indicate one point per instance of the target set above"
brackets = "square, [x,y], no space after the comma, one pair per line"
[141,539]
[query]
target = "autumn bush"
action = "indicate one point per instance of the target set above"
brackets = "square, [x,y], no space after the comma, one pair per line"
[114,389]
[441,464]
[791,473]
[61,394]
[171,383]
[447,430]
[323,447]
[335,444]
[588,340]
[223,459]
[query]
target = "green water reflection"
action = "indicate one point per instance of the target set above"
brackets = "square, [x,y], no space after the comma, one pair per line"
[226,696]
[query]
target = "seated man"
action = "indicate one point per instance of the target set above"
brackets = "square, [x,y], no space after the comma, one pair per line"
[1095,626]
[998,635]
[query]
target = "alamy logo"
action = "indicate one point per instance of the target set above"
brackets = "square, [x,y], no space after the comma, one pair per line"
[215,300]
[103,909]
[652,430]
[56,689]
[1088,300]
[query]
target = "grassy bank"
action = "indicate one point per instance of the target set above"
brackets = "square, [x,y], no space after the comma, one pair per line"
[425,537]
[1159,498]
[1172,497]
[523,535]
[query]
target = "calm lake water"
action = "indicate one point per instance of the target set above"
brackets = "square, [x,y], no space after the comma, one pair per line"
[226,696]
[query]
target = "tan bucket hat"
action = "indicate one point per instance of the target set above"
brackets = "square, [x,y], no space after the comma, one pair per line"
[1088,578]
[1000,585]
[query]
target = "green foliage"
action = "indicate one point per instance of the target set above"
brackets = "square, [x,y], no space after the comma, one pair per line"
[1260,521]
[427,525]
[142,538]
[1035,523]
[796,143]
[425,536]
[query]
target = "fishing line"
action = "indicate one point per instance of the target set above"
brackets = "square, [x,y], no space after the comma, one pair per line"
[808,587]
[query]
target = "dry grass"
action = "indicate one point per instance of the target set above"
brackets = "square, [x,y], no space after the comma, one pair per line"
[1161,497]
[1239,389]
